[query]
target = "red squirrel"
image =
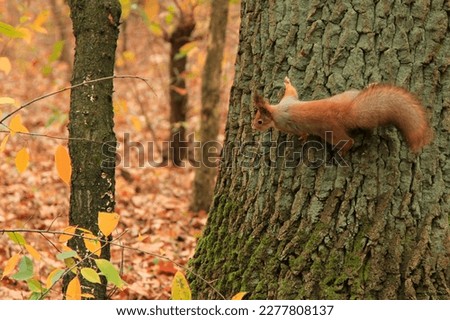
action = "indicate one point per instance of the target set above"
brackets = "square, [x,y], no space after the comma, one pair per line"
[376,105]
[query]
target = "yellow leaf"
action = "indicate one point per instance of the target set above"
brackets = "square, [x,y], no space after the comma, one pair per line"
[180,288]
[10,265]
[85,230]
[3,144]
[5,65]
[136,123]
[129,55]
[239,296]
[120,106]
[7,100]
[156,29]
[65,248]
[141,238]
[107,222]
[63,164]
[27,35]
[126,8]
[39,21]
[33,252]
[186,48]
[92,243]
[66,237]
[15,125]
[22,160]
[151,9]
[71,265]
[74,289]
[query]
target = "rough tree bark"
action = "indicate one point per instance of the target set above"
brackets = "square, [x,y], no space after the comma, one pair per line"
[206,171]
[92,140]
[289,225]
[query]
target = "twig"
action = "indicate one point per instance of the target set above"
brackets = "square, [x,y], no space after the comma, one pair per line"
[147,120]
[43,135]
[73,87]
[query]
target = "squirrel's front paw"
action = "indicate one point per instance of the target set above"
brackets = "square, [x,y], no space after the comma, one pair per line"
[373,84]
[287,81]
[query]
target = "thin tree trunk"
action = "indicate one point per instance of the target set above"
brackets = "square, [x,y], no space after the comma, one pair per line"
[92,140]
[209,125]
[286,224]
[178,94]
[63,31]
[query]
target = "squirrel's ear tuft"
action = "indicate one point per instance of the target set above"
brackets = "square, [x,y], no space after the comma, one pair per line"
[258,101]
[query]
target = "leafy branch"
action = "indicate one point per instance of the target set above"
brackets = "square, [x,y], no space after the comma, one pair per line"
[104,242]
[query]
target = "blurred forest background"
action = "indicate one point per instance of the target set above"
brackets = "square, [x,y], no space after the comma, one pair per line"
[153,201]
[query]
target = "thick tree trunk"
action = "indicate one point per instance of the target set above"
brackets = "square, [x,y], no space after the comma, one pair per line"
[92,140]
[206,153]
[289,225]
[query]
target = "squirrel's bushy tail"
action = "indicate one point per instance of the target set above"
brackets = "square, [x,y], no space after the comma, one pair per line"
[382,104]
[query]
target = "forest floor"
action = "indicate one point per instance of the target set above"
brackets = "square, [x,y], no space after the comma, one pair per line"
[152,201]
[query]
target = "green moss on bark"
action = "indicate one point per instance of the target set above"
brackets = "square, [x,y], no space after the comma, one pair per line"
[367,230]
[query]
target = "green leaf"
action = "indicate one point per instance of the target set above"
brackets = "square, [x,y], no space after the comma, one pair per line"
[180,288]
[35,296]
[57,50]
[110,272]
[47,70]
[9,31]
[171,11]
[71,265]
[66,254]
[179,56]
[34,285]
[56,116]
[25,269]
[54,276]
[90,275]
[155,28]
[17,238]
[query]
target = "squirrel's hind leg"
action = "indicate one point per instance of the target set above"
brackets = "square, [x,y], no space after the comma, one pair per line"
[341,141]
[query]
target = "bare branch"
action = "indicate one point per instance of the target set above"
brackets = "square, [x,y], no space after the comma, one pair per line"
[73,87]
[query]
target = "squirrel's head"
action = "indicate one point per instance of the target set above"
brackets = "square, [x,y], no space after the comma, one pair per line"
[263,117]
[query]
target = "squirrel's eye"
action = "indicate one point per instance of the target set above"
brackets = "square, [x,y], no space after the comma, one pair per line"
[260,121]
